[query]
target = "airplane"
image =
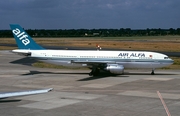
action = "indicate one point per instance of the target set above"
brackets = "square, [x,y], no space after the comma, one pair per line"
[23,93]
[112,61]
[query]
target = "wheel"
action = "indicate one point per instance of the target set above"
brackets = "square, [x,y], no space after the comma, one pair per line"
[94,72]
[90,74]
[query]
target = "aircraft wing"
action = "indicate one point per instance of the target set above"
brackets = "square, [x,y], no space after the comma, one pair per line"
[22,52]
[23,93]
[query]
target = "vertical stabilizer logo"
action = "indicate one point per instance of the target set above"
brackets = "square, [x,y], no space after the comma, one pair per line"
[22,36]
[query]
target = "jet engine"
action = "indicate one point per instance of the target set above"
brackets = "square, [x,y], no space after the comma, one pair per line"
[115,68]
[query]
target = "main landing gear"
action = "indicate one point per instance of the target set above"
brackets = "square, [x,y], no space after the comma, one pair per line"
[94,72]
[152,73]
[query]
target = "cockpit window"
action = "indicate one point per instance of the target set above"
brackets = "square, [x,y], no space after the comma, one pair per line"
[166,57]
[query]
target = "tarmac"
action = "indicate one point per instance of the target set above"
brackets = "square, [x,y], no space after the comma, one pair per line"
[75,93]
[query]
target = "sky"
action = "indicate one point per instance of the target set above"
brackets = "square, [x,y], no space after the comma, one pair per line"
[90,14]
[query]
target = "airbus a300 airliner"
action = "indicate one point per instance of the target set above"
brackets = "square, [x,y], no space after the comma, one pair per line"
[113,61]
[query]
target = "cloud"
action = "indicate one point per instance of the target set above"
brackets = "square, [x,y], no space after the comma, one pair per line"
[90,13]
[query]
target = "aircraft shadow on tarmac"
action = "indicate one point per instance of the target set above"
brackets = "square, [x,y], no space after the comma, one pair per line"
[125,75]
[103,75]
[42,72]
[9,100]
[139,73]
[100,76]
[24,61]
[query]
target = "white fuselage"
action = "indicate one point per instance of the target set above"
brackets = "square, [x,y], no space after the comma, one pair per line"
[129,59]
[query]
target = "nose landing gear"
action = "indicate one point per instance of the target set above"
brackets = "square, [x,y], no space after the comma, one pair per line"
[152,73]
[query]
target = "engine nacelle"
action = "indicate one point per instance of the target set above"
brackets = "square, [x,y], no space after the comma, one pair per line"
[115,68]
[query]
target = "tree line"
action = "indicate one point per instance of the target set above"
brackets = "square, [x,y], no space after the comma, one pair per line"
[122,32]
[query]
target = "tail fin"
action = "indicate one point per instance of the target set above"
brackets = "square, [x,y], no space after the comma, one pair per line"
[23,40]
